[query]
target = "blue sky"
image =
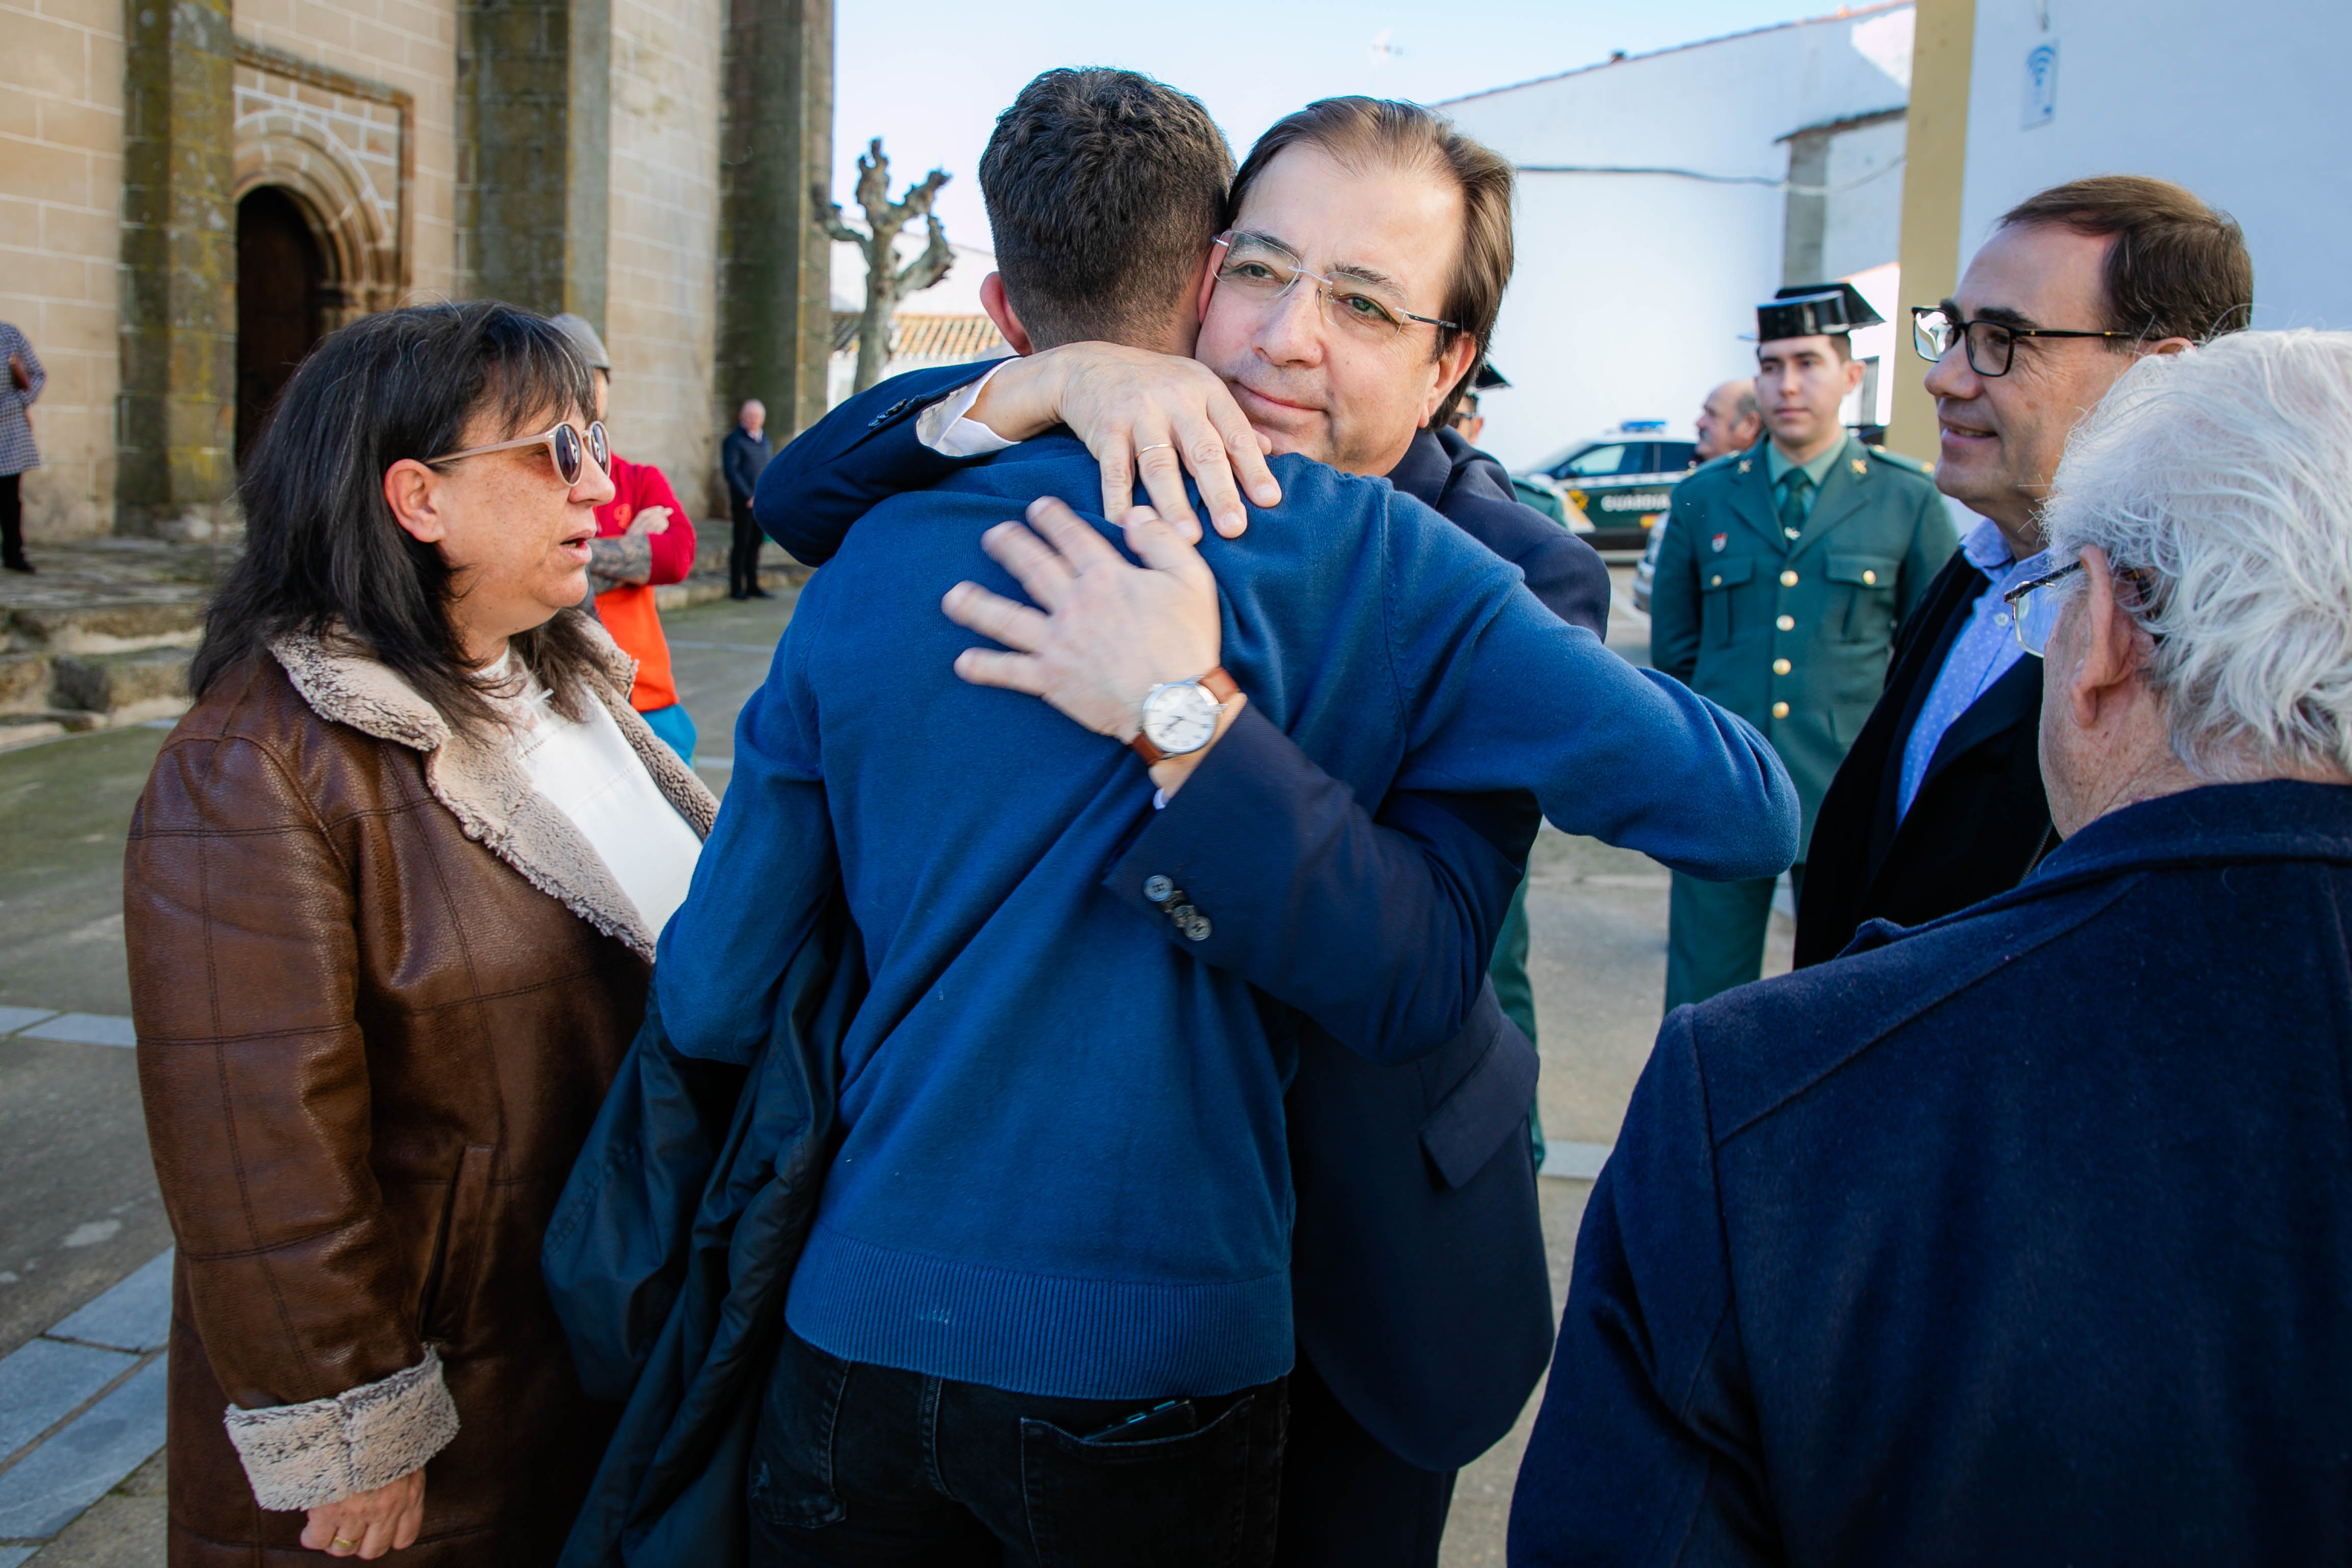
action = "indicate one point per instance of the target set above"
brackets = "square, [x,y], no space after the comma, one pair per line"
[929,77]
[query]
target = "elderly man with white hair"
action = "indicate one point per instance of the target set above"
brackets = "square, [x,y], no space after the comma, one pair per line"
[2025,1235]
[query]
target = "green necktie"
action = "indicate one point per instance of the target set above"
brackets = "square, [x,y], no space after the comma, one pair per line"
[1797,485]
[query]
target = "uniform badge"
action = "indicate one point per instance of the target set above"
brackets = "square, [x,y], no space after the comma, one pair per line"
[1861,468]
[1743,465]
[1719,540]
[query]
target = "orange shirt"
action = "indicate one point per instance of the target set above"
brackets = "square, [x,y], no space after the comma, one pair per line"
[628,613]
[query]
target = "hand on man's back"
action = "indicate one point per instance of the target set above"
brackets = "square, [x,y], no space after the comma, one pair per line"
[1103,633]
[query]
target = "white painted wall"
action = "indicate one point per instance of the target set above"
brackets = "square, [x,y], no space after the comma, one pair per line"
[2243,103]
[1632,291]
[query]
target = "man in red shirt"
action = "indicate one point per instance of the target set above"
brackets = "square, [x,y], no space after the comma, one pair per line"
[643,539]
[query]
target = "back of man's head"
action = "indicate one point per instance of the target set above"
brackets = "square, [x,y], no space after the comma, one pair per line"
[1104,188]
[2176,268]
[1361,132]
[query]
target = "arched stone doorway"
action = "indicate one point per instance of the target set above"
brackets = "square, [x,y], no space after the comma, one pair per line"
[281,280]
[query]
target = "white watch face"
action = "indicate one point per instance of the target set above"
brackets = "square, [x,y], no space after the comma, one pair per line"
[1180,718]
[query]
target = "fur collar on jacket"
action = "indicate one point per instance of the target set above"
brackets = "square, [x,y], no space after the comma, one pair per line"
[484,785]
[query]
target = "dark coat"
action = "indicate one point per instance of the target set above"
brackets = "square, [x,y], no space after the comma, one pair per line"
[742,455]
[1980,820]
[670,1252]
[2021,1237]
[1421,1287]
[381,986]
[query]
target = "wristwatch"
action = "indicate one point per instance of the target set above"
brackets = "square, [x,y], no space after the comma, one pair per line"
[1181,716]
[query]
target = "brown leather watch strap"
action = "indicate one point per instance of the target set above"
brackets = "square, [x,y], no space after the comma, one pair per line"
[1218,684]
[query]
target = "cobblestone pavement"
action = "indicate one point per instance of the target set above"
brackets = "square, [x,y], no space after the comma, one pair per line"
[83,1238]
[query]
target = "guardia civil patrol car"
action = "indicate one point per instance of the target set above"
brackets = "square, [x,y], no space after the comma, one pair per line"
[1616,486]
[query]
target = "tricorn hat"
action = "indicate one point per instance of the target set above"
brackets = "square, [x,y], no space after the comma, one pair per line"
[1811,309]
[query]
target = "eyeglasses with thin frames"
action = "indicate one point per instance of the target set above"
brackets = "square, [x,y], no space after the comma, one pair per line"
[1992,345]
[563,443]
[1255,267]
[2033,607]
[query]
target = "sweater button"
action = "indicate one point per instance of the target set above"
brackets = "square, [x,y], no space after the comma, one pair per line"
[1197,929]
[1156,888]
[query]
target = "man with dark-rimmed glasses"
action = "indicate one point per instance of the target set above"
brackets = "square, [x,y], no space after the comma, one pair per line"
[1940,802]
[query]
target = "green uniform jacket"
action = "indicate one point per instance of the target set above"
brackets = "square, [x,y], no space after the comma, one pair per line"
[1794,637]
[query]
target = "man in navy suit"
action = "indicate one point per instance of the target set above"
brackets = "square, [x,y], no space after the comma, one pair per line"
[2025,1235]
[1422,1293]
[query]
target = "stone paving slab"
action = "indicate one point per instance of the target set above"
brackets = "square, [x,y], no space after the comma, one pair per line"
[43,1382]
[10,1556]
[87,1029]
[135,1315]
[14,1018]
[42,1493]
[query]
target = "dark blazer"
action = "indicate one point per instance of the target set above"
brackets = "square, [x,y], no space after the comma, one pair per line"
[2021,1237]
[742,455]
[1421,1289]
[1980,820]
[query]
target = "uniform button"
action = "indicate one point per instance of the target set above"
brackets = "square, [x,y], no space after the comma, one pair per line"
[1156,888]
[1870,579]
[1179,914]
[1780,711]
[1779,666]
[1197,929]
[1716,580]
[1788,579]
[1787,622]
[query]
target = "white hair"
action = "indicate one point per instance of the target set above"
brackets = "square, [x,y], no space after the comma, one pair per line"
[2225,474]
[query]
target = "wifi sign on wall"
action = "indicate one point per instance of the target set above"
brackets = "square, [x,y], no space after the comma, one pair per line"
[2042,83]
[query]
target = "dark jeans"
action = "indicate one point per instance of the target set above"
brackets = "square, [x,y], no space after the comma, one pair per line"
[866,1467]
[743,554]
[1347,1501]
[12,520]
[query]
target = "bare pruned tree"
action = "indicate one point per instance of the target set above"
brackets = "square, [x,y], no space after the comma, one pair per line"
[887,282]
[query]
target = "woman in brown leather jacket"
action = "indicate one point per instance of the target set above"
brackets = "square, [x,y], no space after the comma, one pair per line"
[391,896]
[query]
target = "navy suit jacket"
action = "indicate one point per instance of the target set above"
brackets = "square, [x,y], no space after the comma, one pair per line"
[1421,1292]
[2024,1237]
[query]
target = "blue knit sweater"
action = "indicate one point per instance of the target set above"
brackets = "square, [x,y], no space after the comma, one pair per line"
[1064,1169]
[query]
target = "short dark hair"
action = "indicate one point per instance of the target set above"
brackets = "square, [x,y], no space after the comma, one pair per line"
[2177,268]
[1358,131]
[322,551]
[1104,189]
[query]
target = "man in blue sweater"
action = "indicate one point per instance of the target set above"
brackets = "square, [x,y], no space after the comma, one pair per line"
[1419,1279]
[1045,1308]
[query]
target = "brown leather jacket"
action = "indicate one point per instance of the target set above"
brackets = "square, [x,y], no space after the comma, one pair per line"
[381,986]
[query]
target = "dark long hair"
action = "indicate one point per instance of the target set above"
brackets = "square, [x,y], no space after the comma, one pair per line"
[322,545]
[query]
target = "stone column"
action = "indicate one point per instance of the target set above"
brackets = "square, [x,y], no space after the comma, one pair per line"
[535,136]
[775,142]
[177,408]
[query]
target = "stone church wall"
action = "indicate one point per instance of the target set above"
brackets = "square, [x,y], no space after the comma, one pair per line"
[661,279]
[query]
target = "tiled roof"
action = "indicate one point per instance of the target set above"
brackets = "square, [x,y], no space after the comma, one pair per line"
[950,338]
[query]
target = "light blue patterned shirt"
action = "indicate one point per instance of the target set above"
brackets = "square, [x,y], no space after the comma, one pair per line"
[1983,653]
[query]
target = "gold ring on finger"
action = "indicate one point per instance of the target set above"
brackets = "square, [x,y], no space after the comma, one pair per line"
[345,1541]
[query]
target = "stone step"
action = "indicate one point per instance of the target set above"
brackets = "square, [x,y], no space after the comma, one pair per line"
[126,688]
[102,627]
[24,680]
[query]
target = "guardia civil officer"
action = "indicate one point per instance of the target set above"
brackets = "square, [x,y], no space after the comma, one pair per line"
[1785,571]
